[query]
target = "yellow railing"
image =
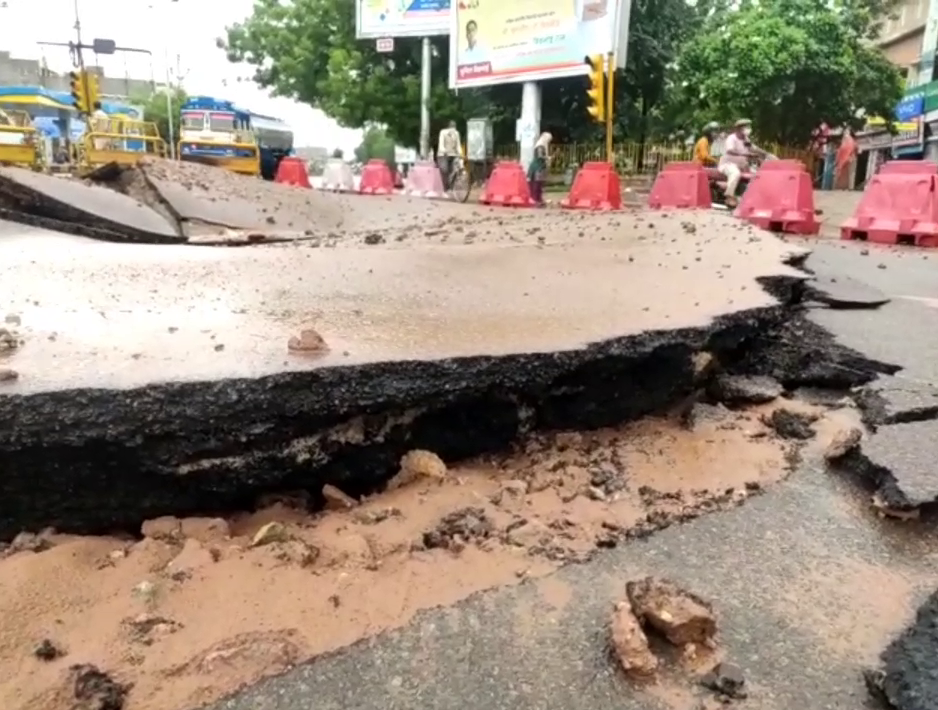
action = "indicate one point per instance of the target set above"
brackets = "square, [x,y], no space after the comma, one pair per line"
[634,158]
[121,141]
[19,141]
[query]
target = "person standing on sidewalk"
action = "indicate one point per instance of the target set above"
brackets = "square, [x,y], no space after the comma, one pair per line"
[537,173]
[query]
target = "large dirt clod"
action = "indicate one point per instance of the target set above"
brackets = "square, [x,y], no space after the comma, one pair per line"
[630,644]
[677,614]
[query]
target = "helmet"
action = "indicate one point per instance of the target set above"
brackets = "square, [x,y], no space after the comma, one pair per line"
[711,127]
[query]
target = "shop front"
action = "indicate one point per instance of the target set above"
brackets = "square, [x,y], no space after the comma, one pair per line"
[931,121]
[909,141]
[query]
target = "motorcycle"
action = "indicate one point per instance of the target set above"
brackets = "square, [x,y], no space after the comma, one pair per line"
[718,182]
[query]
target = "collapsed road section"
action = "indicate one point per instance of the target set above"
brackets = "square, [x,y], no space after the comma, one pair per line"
[161,380]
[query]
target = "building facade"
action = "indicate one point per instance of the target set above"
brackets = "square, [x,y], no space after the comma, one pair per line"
[31,72]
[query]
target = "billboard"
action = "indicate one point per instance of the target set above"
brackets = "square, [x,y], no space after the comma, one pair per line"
[401,18]
[500,42]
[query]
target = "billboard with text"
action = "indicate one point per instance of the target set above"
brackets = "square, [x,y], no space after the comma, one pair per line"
[401,18]
[502,41]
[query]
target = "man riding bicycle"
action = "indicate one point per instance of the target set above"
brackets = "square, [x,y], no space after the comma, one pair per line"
[448,152]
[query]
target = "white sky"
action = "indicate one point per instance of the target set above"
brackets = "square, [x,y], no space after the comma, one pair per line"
[185,27]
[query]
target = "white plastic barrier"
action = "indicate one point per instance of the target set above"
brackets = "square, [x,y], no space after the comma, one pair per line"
[337,176]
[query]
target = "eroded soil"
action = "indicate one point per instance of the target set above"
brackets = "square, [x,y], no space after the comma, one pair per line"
[198,608]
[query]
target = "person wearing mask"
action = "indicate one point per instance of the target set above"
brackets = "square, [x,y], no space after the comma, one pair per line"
[702,154]
[449,150]
[736,158]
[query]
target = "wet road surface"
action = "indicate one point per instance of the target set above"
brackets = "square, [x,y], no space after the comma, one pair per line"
[809,584]
[104,315]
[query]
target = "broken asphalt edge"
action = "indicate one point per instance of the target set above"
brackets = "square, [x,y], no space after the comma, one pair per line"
[908,678]
[97,460]
[31,207]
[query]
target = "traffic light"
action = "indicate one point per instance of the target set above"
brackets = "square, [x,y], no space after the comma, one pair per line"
[596,92]
[76,82]
[91,90]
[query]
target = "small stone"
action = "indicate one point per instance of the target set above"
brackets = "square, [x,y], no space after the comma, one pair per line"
[298,552]
[309,342]
[630,644]
[744,389]
[415,464]
[192,557]
[8,375]
[29,542]
[12,319]
[529,533]
[373,239]
[843,442]
[94,688]
[205,530]
[166,527]
[790,425]
[680,616]
[47,651]
[726,679]
[270,533]
[336,499]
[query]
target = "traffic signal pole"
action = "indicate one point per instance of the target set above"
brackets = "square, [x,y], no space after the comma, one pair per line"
[610,104]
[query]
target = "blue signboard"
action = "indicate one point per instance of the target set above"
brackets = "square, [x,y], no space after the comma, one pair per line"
[911,107]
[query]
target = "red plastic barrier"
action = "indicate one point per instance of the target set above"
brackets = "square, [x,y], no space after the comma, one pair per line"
[898,206]
[507,186]
[596,187]
[780,197]
[681,185]
[292,171]
[376,179]
[425,180]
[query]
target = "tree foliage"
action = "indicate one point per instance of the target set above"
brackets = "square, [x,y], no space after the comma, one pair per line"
[156,109]
[788,65]
[376,144]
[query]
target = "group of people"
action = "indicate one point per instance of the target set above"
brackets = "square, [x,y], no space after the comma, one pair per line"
[739,152]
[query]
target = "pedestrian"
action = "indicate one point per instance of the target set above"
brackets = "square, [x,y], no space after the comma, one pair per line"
[449,150]
[537,173]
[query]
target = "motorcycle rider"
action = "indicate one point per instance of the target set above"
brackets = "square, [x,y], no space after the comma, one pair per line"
[737,154]
[702,146]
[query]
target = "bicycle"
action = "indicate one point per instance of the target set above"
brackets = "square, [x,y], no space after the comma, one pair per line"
[463,179]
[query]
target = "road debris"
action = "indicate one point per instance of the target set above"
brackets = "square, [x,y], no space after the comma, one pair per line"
[630,644]
[727,681]
[309,342]
[677,614]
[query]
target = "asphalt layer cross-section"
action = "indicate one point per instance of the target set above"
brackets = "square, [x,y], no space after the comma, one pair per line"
[809,584]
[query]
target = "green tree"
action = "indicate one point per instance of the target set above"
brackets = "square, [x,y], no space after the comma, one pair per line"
[156,109]
[788,65]
[376,145]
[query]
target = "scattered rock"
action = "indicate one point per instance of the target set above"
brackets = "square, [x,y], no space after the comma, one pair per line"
[11,319]
[8,340]
[192,557]
[47,650]
[843,442]
[336,499]
[147,628]
[205,530]
[29,542]
[309,342]
[744,389]
[297,552]
[270,533]
[96,690]
[528,533]
[373,517]
[418,464]
[167,528]
[459,528]
[373,239]
[8,375]
[679,615]
[726,679]
[697,413]
[630,644]
[790,425]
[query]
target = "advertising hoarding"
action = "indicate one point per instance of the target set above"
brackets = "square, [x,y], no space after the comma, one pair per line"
[401,18]
[502,42]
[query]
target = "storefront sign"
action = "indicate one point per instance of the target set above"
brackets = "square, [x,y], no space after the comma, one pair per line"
[909,139]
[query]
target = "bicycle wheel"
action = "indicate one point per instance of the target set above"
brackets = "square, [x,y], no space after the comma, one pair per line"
[461,185]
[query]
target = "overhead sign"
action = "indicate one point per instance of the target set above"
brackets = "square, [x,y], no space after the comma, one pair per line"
[376,19]
[499,42]
[385,44]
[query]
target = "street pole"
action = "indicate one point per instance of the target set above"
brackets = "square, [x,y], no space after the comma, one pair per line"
[169,107]
[610,103]
[425,99]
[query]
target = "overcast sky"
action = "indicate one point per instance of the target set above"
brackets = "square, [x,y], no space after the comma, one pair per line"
[186,27]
